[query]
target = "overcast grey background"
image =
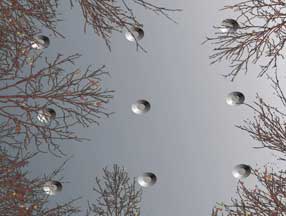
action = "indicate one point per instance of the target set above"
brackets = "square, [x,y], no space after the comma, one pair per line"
[188,139]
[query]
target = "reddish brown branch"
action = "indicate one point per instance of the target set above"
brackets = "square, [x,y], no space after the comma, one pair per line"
[260,37]
[77,97]
[118,195]
[108,16]
[24,196]
[268,197]
[268,126]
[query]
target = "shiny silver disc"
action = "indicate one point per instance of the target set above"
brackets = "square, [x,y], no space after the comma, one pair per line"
[135,34]
[235,98]
[52,187]
[45,116]
[229,26]
[141,107]
[241,171]
[40,42]
[147,179]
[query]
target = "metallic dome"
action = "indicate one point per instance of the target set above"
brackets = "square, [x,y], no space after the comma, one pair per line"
[147,179]
[52,187]
[135,34]
[229,26]
[141,107]
[241,171]
[40,42]
[45,116]
[235,98]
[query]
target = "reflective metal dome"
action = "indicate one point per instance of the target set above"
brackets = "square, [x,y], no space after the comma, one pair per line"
[229,26]
[134,34]
[235,98]
[45,116]
[52,187]
[147,179]
[241,171]
[40,42]
[141,107]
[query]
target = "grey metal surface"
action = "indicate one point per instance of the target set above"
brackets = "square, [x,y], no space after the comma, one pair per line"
[147,179]
[141,107]
[134,34]
[41,42]
[188,139]
[241,171]
[52,187]
[235,98]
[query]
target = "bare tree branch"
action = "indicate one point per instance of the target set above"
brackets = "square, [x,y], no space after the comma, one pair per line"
[28,93]
[24,196]
[21,21]
[108,16]
[260,36]
[268,126]
[118,196]
[267,198]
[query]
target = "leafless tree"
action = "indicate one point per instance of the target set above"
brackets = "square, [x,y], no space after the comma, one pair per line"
[41,99]
[268,126]
[268,197]
[118,195]
[259,38]
[108,16]
[23,20]
[27,89]
[28,14]
[22,195]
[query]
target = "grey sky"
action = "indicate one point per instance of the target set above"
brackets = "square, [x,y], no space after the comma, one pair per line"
[188,138]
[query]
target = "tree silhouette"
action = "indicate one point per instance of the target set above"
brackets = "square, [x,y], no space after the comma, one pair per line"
[118,195]
[108,16]
[268,125]
[24,196]
[268,197]
[41,98]
[23,20]
[260,36]
[40,101]
[20,22]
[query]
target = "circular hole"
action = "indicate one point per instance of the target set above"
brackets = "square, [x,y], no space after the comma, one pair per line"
[229,26]
[141,107]
[241,171]
[135,34]
[147,179]
[235,98]
[40,42]
[52,187]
